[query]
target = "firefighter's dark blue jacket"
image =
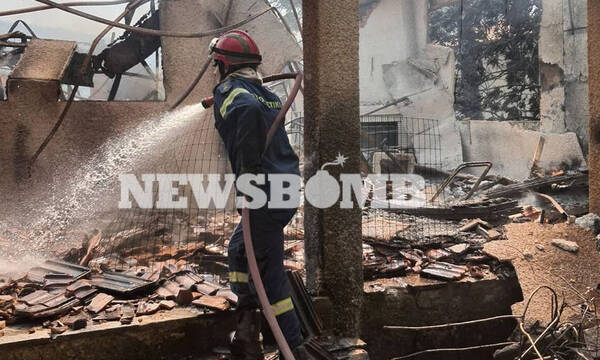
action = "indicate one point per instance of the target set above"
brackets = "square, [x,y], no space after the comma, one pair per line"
[244,112]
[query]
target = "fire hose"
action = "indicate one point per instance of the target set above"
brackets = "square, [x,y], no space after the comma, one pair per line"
[250,255]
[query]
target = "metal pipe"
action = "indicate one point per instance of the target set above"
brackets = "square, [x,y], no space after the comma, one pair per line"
[115,87]
[84,66]
[276,77]
[282,19]
[296,16]
[48,7]
[227,12]
[443,326]
[469,348]
[154,32]
[193,84]
[11,44]
[461,167]
[16,23]
[251,256]
[395,102]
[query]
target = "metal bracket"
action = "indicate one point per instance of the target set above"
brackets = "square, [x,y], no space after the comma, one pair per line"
[461,167]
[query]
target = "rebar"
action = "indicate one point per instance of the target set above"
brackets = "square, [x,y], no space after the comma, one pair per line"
[442,326]
[469,348]
[155,32]
[530,341]
[193,84]
[49,7]
[84,66]
[297,17]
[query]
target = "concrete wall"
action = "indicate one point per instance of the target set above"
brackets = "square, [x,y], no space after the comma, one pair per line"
[563,104]
[397,62]
[442,303]
[413,301]
[392,32]
[511,148]
[172,335]
[563,68]
[594,82]
[576,71]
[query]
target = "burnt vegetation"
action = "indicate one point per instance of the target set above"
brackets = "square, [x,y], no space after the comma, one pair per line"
[496,47]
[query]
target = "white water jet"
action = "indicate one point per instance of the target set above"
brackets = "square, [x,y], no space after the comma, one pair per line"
[83,194]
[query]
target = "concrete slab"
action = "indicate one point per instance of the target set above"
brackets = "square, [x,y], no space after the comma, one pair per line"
[172,334]
[44,60]
[415,301]
[511,148]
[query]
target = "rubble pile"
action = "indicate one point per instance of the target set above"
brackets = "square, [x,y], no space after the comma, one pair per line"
[453,253]
[65,296]
[446,241]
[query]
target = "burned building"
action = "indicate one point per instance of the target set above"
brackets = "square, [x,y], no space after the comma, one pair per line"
[470,273]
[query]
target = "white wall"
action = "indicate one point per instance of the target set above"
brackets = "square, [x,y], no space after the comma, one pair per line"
[396,61]
[394,31]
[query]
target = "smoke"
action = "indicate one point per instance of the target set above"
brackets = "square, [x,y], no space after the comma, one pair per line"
[23,264]
[530,199]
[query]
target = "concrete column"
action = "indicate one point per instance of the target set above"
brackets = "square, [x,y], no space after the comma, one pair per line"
[332,126]
[551,54]
[594,81]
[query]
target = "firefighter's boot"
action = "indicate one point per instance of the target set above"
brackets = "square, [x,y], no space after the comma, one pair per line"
[246,342]
[301,353]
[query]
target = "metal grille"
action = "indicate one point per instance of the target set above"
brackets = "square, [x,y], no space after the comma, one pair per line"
[395,144]
[389,144]
[155,237]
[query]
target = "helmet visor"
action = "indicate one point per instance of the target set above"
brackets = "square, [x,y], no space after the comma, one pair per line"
[212,46]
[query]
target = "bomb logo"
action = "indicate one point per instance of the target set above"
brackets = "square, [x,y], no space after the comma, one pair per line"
[322,190]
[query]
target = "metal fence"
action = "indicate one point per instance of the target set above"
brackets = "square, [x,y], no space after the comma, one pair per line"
[396,144]
[390,144]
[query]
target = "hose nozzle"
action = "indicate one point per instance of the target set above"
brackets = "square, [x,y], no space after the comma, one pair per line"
[208,102]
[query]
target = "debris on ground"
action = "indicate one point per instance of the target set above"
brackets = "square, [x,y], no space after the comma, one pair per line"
[589,221]
[69,296]
[560,181]
[573,275]
[566,245]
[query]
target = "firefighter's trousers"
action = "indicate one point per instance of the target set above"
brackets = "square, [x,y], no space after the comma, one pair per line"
[267,237]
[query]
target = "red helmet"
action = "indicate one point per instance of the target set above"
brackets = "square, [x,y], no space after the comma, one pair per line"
[235,47]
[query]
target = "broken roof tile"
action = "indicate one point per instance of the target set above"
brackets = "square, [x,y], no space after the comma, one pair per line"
[99,302]
[213,302]
[444,271]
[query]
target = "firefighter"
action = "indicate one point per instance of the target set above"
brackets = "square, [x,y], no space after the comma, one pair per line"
[244,112]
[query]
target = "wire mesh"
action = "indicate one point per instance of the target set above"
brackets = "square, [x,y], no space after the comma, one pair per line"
[390,144]
[396,144]
[157,238]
